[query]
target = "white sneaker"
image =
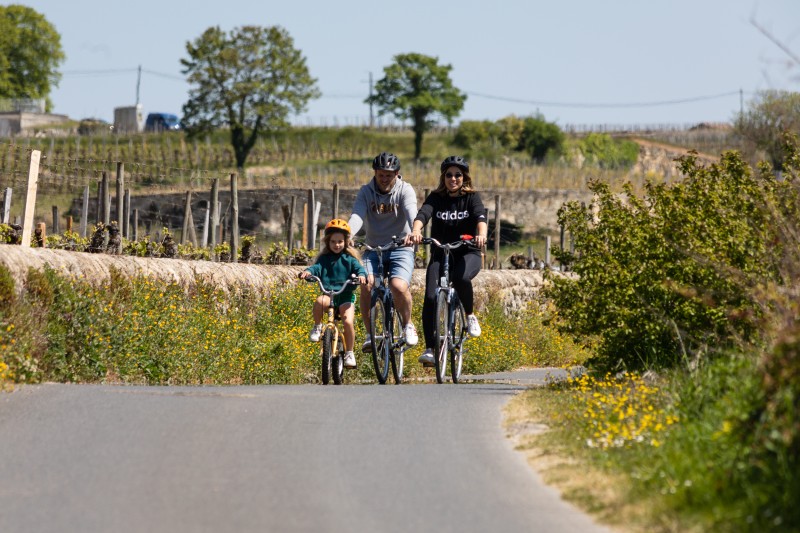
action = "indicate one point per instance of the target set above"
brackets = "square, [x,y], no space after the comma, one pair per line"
[411,335]
[367,346]
[427,358]
[473,328]
[316,332]
[349,359]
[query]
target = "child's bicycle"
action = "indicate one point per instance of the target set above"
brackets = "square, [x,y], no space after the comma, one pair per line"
[332,337]
[386,326]
[451,324]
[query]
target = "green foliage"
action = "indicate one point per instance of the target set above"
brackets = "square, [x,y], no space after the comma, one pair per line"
[470,133]
[143,330]
[8,293]
[30,53]
[541,139]
[247,81]
[603,151]
[768,116]
[416,87]
[667,277]
[511,130]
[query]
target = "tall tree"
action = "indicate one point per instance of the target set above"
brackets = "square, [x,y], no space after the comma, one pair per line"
[30,53]
[248,80]
[418,88]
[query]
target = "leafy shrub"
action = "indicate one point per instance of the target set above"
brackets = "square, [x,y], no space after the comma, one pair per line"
[541,139]
[602,150]
[667,277]
[470,133]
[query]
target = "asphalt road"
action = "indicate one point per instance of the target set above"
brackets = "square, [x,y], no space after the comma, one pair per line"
[425,457]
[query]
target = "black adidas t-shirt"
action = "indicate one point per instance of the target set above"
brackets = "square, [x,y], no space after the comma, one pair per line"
[452,216]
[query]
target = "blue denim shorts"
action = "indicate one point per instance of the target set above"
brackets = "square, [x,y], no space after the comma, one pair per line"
[398,262]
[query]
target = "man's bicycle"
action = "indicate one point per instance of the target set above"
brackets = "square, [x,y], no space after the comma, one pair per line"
[451,324]
[332,338]
[386,325]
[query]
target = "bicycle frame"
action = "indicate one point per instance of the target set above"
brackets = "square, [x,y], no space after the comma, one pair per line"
[332,337]
[449,341]
[389,348]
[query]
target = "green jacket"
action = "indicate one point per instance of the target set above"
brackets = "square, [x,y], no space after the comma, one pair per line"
[335,269]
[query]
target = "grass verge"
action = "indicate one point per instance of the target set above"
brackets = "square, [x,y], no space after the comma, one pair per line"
[148,331]
[659,453]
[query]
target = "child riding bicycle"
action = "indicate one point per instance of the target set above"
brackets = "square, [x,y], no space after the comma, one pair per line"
[334,265]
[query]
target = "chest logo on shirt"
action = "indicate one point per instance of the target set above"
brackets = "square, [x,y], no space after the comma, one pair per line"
[383,208]
[452,215]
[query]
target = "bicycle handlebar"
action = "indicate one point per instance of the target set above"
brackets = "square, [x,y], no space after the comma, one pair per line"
[465,240]
[396,242]
[330,292]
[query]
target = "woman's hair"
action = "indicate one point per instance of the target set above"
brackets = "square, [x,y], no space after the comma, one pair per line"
[350,250]
[466,185]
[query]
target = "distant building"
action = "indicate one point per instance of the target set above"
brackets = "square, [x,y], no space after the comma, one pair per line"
[21,117]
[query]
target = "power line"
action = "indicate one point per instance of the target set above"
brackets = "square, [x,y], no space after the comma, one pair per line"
[604,105]
[115,71]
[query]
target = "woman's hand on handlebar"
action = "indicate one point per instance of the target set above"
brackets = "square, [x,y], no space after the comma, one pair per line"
[415,237]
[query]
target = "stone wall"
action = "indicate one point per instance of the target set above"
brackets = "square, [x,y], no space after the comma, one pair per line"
[513,288]
[261,213]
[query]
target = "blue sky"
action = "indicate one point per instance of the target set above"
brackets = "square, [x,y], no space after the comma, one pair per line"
[574,61]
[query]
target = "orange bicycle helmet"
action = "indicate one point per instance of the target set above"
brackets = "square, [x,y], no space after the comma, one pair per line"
[337,224]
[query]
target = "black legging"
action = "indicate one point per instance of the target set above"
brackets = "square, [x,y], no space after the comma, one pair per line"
[462,269]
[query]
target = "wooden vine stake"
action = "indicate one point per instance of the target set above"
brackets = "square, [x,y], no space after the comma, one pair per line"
[30,199]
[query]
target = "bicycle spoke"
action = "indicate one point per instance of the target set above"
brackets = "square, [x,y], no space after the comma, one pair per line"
[381,339]
[442,334]
[459,334]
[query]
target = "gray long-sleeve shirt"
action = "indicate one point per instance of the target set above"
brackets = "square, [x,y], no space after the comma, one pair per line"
[384,215]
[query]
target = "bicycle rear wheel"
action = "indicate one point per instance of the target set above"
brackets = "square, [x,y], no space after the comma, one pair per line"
[441,335]
[337,363]
[459,334]
[398,347]
[327,355]
[381,339]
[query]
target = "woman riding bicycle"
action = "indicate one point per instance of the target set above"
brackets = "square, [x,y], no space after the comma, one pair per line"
[334,265]
[456,209]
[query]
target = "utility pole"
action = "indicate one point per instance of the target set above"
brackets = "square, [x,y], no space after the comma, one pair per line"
[741,103]
[371,116]
[138,82]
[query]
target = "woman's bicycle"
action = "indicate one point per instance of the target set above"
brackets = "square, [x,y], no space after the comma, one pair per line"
[451,324]
[332,338]
[386,325]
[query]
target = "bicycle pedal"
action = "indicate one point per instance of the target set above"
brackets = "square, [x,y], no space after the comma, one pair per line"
[428,365]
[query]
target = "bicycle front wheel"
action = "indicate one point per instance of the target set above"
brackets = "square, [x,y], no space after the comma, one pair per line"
[381,340]
[327,355]
[398,347]
[337,363]
[457,344]
[441,335]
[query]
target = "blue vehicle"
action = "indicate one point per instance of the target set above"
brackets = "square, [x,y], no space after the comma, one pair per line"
[162,122]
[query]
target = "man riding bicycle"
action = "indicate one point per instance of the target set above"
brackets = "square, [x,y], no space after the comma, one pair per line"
[386,207]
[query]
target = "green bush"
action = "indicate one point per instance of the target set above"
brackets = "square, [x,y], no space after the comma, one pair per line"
[603,151]
[470,133]
[667,277]
[540,139]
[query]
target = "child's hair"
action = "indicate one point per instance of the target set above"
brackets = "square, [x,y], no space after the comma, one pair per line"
[351,250]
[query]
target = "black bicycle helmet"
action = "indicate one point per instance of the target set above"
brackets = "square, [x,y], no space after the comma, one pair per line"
[386,161]
[455,161]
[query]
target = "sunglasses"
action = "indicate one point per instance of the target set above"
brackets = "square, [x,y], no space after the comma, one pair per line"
[457,175]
